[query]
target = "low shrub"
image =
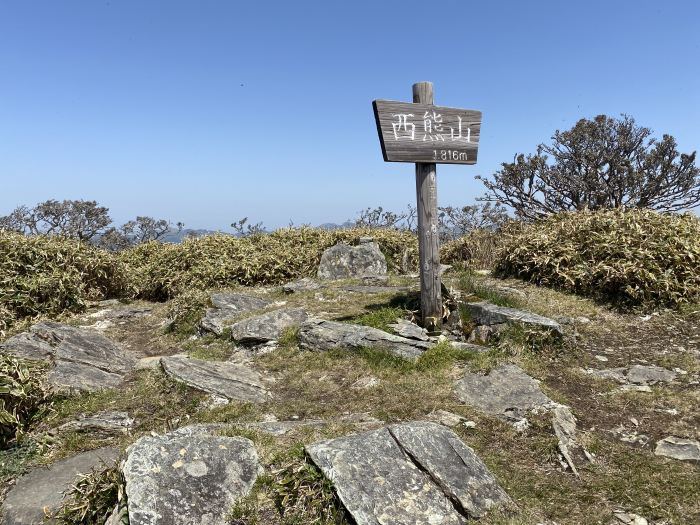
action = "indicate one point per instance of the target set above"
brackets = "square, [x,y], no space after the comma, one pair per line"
[24,397]
[476,250]
[631,258]
[163,271]
[50,275]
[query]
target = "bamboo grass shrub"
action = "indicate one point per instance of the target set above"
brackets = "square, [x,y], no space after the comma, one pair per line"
[163,271]
[42,275]
[632,258]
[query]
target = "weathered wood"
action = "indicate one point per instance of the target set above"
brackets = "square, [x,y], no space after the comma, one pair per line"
[428,242]
[421,132]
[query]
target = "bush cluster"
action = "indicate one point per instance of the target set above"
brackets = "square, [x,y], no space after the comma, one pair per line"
[50,275]
[163,271]
[24,396]
[631,258]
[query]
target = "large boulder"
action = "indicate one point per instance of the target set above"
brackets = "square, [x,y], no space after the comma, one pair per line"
[343,261]
[223,378]
[268,326]
[187,477]
[507,392]
[80,359]
[485,313]
[412,473]
[321,335]
[226,308]
[41,491]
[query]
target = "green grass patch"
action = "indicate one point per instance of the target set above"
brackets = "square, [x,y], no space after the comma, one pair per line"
[380,318]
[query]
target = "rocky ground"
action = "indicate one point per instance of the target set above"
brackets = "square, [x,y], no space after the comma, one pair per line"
[320,402]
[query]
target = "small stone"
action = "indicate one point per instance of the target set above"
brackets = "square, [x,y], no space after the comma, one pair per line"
[448,419]
[678,448]
[365,382]
[484,313]
[148,363]
[601,358]
[627,518]
[375,280]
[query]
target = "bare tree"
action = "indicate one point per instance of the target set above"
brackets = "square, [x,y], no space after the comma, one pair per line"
[456,222]
[143,229]
[599,163]
[78,219]
[243,229]
[380,218]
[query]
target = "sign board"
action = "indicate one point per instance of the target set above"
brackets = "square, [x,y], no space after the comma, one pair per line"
[411,132]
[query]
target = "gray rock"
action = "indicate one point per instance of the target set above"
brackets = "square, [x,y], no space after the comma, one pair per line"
[506,392]
[106,423]
[80,359]
[187,478]
[490,314]
[564,425]
[365,382]
[678,448]
[649,375]
[406,328]
[268,326]
[223,378]
[343,261]
[321,335]
[642,375]
[612,374]
[375,280]
[413,473]
[301,285]
[226,308]
[42,489]
[461,345]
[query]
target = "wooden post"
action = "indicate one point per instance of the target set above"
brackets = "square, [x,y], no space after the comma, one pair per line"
[428,241]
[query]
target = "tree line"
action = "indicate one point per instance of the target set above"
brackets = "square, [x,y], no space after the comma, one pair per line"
[599,163]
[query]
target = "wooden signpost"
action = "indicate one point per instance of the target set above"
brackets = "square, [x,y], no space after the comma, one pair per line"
[427,135]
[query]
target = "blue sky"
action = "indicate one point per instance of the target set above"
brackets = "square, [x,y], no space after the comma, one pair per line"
[181,110]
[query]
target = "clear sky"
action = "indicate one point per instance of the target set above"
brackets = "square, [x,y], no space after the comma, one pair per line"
[209,111]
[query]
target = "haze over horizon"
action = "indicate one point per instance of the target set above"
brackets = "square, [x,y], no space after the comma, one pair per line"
[173,109]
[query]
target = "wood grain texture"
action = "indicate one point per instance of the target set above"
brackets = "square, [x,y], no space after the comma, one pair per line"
[421,132]
[428,239]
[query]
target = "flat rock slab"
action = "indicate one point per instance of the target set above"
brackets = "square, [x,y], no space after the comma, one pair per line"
[226,308]
[187,478]
[678,448]
[484,313]
[320,335]
[649,375]
[106,423]
[301,285]
[343,261]
[507,391]
[406,328]
[642,375]
[268,326]
[44,488]
[80,359]
[223,378]
[413,473]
